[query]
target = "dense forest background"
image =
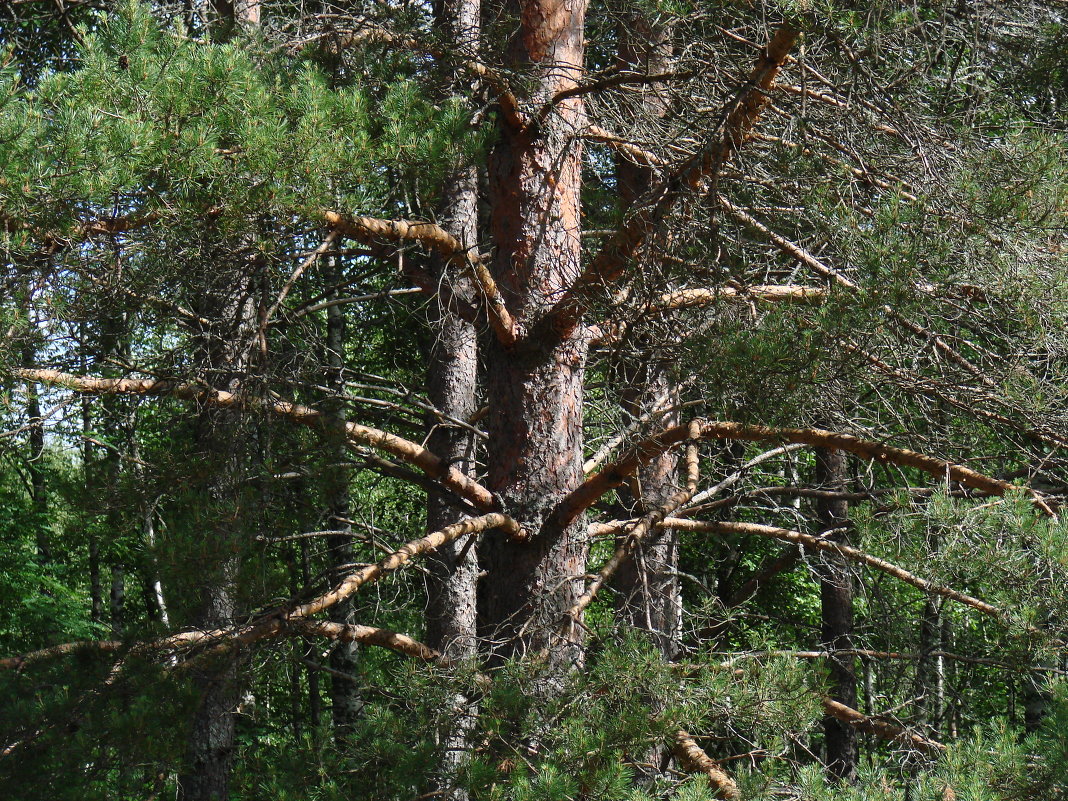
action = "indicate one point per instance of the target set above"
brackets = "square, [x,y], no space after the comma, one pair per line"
[533,400]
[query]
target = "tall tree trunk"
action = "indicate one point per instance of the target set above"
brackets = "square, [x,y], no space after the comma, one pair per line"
[346,704]
[536,387]
[452,383]
[836,605]
[230,301]
[648,595]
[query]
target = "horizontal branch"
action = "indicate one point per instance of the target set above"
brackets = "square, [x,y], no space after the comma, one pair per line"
[403,449]
[587,493]
[437,239]
[611,333]
[845,551]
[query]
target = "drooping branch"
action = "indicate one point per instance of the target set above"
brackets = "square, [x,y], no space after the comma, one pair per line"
[436,238]
[633,151]
[356,434]
[614,475]
[845,551]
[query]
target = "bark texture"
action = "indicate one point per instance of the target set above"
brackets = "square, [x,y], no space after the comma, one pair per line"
[536,386]
[452,379]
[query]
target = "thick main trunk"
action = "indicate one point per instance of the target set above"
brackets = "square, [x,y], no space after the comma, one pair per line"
[536,389]
[836,602]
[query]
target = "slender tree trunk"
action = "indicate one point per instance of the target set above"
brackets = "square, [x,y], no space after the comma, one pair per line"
[35,461]
[930,669]
[836,603]
[230,301]
[452,384]
[346,704]
[452,381]
[307,649]
[536,387]
[648,595]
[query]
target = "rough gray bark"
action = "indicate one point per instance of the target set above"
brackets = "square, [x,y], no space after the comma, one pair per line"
[836,604]
[452,383]
[536,387]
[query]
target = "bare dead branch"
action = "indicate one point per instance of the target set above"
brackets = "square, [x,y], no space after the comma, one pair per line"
[614,475]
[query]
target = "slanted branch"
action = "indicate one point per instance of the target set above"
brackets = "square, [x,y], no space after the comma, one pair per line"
[436,238]
[355,434]
[620,249]
[693,758]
